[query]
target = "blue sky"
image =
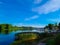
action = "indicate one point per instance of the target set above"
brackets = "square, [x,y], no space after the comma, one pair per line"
[36,13]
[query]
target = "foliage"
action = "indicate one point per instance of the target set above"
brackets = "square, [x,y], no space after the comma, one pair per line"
[53,26]
[6,28]
[50,26]
[54,41]
[51,42]
[57,39]
[23,37]
[27,36]
[59,26]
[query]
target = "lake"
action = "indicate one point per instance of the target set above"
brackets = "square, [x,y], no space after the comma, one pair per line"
[7,39]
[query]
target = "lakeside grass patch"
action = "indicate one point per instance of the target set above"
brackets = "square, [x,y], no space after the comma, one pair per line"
[25,37]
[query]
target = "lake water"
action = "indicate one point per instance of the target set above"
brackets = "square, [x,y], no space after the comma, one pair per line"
[7,39]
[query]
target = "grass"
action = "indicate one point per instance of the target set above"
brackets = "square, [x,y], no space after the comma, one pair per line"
[26,37]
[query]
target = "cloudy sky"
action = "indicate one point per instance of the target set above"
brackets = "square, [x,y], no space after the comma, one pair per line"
[37,13]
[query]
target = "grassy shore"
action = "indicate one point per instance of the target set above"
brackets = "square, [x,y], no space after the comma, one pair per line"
[26,37]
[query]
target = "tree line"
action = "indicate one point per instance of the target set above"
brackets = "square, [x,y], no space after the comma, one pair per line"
[55,26]
[9,28]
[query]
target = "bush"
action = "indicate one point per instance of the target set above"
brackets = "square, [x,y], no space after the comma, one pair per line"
[57,40]
[51,42]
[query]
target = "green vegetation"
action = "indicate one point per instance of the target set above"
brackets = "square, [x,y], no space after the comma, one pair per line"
[57,39]
[32,37]
[7,28]
[54,41]
[25,37]
[53,26]
[50,42]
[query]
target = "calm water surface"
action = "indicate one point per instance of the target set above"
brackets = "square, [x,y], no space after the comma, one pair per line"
[7,39]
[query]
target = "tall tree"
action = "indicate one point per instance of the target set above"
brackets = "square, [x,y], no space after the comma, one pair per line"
[55,26]
[59,26]
[50,26]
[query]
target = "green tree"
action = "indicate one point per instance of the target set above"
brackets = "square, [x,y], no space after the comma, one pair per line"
[45,27]
[59,26]
[50,26]
[56,26]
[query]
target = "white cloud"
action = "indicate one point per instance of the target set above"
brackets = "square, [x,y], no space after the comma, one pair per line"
[37,1]
[49,6]
[33,17]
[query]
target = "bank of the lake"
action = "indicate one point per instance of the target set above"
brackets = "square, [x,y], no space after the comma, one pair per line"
[7,39]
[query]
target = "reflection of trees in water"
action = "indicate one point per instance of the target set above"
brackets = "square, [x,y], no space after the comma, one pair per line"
[0,28]
[7,29]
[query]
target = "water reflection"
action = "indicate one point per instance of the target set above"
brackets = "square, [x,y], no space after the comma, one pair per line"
[7,39]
